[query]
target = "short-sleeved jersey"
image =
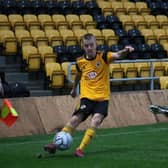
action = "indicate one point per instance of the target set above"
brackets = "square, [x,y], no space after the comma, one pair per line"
[94,83]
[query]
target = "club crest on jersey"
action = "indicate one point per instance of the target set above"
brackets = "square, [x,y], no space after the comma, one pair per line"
[91,75]
[98,64]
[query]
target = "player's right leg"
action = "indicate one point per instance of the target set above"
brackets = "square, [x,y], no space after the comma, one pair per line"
[69,127]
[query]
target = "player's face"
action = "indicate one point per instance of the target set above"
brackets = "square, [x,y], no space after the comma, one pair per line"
[89,47]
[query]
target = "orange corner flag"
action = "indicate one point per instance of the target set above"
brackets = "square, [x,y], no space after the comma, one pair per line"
[8,114]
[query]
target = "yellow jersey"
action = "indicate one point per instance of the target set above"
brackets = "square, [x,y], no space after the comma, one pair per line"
[95,83]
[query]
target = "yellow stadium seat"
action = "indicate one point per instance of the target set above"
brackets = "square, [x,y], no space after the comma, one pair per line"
[116,72]
[130,8]
[127,21]
[130,71]
[118,8]
[60,21]
[87,20]
[100,39]
[159,69]
[68,37]
[150,38]
[163,82]
[31,21]
[79,33]
[54,37]
[74,21]
[39,37]
[23,37]
[16,21]
[142,8]
[151,21]
[139,21]
[9,42]
[163,21]
[31,57]
[4,22]
[143,70]
[110,37]
[161,35]
[47,54]
[46,21]
[54,74]
[105,7]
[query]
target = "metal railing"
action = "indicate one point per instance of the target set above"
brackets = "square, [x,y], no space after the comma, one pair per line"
[151,77]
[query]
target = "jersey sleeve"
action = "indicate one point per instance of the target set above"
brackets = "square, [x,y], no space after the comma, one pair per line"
[108,57]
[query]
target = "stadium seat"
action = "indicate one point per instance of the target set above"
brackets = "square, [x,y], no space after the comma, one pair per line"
[130,71]
[113,22]
[54,37]
[23,37]
[151,21]
[79,7]
[46,21]
[143,71]
[150,38]
[60,21]
[93,8]
[24,7]
[105,7]
[161,35]
[51,7]
[139,21]
[68,37]
[31,58]
[74,21]
[16,21]
[39,37]
[47,54]
[54,75]
[71,72]
[163,21]
[144,51]
[163,82]
[38,7]
[142,8]
[100,39]
[87,21]
[9,7]
[64,7]
[130,8]
[9,42]
[127,21]
[62,53]
[4,22]
[158,51]
[159,69]
[118,8]
[100,21]
[31,21]
[116,72]
[110,37]
[74,52]
[79,33]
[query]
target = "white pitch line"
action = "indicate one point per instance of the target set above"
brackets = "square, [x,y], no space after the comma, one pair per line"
[99,135]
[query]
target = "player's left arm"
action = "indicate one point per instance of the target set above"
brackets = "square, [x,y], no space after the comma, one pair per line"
[122,53]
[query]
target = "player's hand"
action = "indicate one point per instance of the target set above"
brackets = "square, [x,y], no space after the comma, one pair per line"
[129,48]
[73,92]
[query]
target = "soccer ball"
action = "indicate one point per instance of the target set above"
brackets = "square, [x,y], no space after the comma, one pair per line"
[63,140]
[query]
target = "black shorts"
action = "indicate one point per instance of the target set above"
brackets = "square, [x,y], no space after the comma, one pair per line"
[89,107]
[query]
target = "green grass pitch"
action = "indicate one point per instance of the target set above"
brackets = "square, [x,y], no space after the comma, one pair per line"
[128,147]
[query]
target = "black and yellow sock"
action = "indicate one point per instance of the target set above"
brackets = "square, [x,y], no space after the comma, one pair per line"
[68,129]
[90,132]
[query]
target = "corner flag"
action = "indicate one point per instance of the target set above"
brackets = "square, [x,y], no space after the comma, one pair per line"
[8,114]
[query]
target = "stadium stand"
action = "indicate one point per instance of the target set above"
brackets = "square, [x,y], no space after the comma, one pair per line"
[28,28]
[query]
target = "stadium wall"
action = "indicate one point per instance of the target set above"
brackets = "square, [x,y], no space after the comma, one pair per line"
[40,115]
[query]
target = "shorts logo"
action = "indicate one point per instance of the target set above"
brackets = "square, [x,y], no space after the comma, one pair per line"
[82,106]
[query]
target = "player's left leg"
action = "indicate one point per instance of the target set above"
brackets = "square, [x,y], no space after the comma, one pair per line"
[89,133]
